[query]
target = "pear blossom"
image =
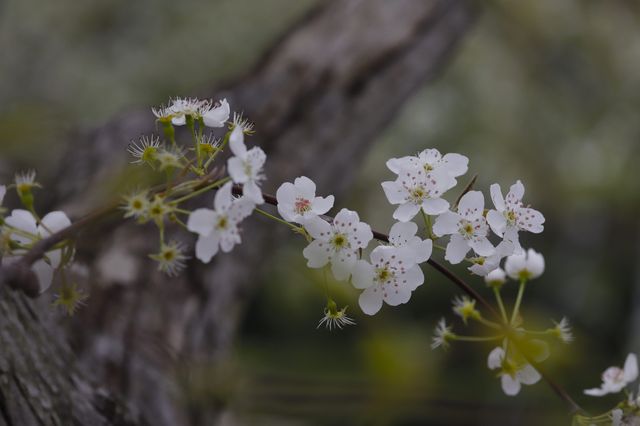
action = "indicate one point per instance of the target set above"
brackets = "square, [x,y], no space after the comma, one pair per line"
[413,190]
[218,228]
[484,265]
[525,266]
[136,205]
[390,277]
[562,331]
[171,258]
[441,335]
[181,107]
[496,278]
[510,216]
[25,180]
[403,234]
[614,379]
[429,160]
[337,242]
[297,202]
[468,228]
[246,166]
[465,308]
[513,374]
[215,115]
[243,123]
[23,228]
[334,317]
[145,150]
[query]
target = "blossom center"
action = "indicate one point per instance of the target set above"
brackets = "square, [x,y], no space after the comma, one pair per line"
[466,229]
[511,216]
[383,275]
[418,193]
[223,222]
[302,206]
[428,167]
[340,241]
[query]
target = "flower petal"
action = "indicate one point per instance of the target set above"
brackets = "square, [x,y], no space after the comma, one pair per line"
[318,228]
[53,222]
[528,375]
[456,164]
[236,169]
[497,198]
[402,232]
[363,274]
[510,385]
[446,224]
[434,206]
[497,222]
[306,187]
[495,358]
[406,212]
[236,142]
[320,205]
[631,368]
[471,205]
[201,221]
[317,254]
[217,116]
[370,300]
[207,247]
[457,249]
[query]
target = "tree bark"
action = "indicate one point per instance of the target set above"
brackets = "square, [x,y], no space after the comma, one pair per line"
[319,97]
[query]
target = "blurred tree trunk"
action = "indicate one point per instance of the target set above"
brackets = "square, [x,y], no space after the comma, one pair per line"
[319,98]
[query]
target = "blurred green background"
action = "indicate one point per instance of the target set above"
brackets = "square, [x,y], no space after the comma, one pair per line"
[544,91]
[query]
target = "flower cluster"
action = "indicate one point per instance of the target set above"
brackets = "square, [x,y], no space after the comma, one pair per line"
[615,380]
[190,172]
[23,228]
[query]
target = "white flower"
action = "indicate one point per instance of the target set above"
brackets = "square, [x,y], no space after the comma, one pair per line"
[512,374]
[403,234]
[525,266]
[495,278]
[145,150]
[337,242]
[23,229]
[468,228]
[484,265]
[334,317]
[414,189]
[614,379]
[215,115]
[562,330]
[246,167]
[430,160]
[169,158]
[171,258]
[390,277]
[297,202]
[243,123]
[218,228]
[181,107]
[136,204]
[441,335]
[510,215]
[25,180]
[465,308]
